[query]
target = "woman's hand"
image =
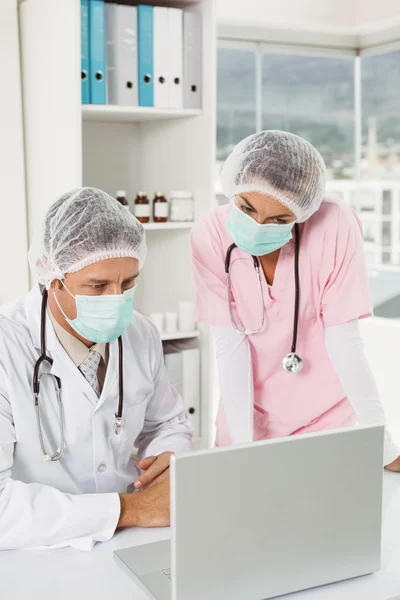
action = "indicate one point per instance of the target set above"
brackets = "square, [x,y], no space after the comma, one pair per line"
[394,466]
[156,470]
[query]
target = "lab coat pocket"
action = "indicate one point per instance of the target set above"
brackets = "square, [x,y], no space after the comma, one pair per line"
[132,424]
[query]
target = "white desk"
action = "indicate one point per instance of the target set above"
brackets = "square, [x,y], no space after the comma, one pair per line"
[72,575]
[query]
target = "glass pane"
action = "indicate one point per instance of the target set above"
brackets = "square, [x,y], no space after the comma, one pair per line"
[387,202]
[380,79]
[369,235]
[386,233]
[365,200]
[236,98]
[313,96]
[337,193]
[386,258]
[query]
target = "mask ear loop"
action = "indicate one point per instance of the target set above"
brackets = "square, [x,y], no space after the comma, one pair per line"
[58,304]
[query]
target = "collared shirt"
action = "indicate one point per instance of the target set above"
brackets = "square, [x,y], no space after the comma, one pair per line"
[77,350]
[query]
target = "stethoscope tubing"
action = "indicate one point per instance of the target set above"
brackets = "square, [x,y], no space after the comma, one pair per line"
[257,267]
[43,358]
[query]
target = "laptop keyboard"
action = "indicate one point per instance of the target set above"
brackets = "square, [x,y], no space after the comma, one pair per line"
[167,573]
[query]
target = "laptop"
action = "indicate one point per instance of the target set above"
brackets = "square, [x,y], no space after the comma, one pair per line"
[260,520]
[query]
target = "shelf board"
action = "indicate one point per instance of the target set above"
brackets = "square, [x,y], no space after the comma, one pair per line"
[180,335]
[133,114]
[167,3]
[168,225]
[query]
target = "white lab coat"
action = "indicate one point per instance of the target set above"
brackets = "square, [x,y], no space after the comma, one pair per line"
[74,501]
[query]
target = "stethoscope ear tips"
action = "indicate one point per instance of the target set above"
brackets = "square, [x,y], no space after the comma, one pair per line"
[292,363]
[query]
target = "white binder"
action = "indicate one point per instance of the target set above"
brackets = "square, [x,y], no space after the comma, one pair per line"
[175,18]
[161,49]
[121,36]
[192,64]
[182,361]
[191,386]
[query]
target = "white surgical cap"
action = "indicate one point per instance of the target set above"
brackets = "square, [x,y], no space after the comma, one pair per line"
[83,227]
[281,165]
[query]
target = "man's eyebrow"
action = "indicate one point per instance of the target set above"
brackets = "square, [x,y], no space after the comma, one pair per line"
[96,281]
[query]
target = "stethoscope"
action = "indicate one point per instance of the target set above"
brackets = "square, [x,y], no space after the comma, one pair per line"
[292,363]
[44,358]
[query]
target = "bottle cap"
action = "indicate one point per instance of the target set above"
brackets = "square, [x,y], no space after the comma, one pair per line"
[121,193]
[142,194]
[160,194]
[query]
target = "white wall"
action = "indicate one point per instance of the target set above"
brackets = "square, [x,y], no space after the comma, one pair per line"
[374,12]
[13,230]
[290,13]
[382,343]
[293,21]
[52,110]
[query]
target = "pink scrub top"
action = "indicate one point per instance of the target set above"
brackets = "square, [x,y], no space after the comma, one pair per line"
[333,290]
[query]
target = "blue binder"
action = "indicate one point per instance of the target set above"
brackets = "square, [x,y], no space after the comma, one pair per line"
[85,51]
[97,52]
[145,55]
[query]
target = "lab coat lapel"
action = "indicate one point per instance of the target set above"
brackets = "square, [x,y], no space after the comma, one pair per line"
[112,377]
[69,374]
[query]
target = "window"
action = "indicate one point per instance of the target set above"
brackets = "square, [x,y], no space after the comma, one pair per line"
[364,200]
[236,93]
[386,258]
[368,232]
[337,193]
[309,95]
[386,234]
[313,97]
[387,202]
[380,89]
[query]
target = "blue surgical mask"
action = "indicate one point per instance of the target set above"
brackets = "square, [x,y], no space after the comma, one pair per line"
[256,239]
[101,319]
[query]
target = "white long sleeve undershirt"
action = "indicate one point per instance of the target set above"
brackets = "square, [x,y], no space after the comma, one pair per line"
[345,349]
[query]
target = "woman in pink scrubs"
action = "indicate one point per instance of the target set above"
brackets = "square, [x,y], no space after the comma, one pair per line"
[276,184]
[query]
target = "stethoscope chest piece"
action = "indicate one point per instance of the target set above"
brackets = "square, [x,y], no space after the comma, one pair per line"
[292,363]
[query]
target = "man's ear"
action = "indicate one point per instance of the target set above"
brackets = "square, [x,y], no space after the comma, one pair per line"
[56,284]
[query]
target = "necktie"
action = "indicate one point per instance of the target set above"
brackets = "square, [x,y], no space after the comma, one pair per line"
[89,369]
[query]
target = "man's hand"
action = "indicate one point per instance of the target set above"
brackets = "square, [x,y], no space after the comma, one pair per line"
[149,508]
[156,470]
[394,466]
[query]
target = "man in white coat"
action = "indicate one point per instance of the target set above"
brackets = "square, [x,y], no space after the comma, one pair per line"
[83,382]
